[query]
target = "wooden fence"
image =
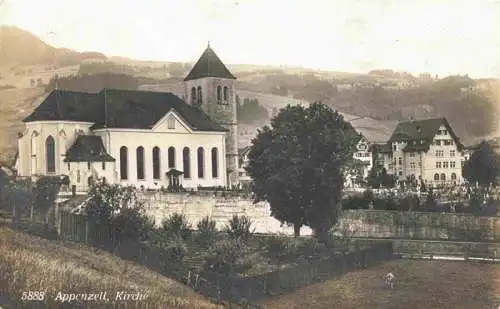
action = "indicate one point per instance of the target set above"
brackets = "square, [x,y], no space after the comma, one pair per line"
[77,228]
[289,279]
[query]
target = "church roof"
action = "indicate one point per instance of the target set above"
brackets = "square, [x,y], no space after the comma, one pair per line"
[88,148]
[113,108]
[209,65]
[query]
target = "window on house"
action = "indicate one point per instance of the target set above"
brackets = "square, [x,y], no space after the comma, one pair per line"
[394,147]
[200,96]
[438,164]
[400,161]
[445,132]
[439,132]
[452,164]
[78,176]
[69,166]
[419,164]
[445,164]
[123,163]
[412,164]
[436,176]
[452,153]
[453,176]
[226,94]
[186,162]
[171,122]
[171,157]
[103,165]
[443,177]
[50,151]
[156,162]
[201,162]
[88,166]
[412,154]
[219,94]
[400,173]
[215,163]
[140,162]
[193,96]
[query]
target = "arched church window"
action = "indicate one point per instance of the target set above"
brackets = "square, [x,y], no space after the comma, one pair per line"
[171,157]
[201,162]
[219,94]
[226,93]
[193,96]
[123,163]
[140,162]
[200,96]
[443,177]
[215,163]
[50,148]
[186,164]
[156,162]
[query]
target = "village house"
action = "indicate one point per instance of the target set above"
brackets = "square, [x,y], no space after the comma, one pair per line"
[423,149]
[139,138]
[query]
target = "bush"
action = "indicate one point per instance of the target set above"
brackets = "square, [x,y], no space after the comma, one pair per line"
[177,225]
[132,224]
[175,249]
[207,232]
[410,202]
[386,203]
[239,227]
[308,246]
[282,247]
[358,201]
[227,257]
[430,203]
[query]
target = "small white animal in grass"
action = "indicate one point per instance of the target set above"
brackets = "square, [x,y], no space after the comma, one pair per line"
[389,280]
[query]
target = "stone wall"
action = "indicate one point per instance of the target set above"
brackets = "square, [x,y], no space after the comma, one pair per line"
[366,223]
[422,225]
[221,209]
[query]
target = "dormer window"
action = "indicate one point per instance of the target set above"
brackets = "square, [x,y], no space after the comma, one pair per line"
[171,122]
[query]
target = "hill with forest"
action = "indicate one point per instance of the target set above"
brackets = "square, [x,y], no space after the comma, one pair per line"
[375,101]
[21,48]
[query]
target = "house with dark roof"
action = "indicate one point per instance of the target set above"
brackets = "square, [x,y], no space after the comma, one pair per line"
[427,149]
[140,138]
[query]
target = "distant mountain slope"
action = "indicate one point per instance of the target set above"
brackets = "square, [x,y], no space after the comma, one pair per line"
[19,47]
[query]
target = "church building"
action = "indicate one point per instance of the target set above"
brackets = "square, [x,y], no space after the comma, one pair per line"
[145,139]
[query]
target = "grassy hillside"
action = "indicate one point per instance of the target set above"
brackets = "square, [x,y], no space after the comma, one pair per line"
[33,264]
[418,285]
[15,104]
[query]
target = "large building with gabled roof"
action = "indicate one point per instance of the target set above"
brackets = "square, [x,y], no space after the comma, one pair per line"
[425,149]
[139,138]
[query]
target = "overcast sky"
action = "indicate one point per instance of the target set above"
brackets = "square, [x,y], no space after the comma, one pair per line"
[438,36]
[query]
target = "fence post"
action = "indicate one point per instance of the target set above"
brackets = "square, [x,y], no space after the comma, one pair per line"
[32,206]
[86,231]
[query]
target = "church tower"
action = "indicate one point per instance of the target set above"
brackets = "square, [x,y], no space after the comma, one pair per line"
[211,87]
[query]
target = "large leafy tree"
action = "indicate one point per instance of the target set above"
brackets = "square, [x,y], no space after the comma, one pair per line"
[483,166]
[296,165]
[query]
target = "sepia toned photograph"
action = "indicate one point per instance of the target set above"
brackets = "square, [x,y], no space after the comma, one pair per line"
[250,154]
